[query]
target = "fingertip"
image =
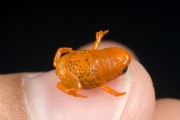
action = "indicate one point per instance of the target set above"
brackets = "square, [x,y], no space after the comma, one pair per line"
[47,102]
[167,109]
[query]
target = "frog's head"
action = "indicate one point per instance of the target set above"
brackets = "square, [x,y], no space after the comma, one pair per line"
[118,62]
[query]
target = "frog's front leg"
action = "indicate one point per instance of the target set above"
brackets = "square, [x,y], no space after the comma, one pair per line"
[70,91]
[59,52]
[111,91]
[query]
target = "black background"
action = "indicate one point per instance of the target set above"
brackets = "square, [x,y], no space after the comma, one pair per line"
[31,34]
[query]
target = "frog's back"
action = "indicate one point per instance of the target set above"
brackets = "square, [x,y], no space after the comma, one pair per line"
[86,65]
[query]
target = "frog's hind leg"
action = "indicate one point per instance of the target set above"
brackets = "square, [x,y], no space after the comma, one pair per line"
[71,85]
[59,52]
[112,91]
[70,91]
[99,36]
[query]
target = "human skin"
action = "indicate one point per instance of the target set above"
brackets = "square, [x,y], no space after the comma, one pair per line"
[34,96]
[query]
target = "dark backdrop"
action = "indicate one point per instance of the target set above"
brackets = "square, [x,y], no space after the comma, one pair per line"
[31,34]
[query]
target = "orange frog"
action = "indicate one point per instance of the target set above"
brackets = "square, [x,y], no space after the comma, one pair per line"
[90,68]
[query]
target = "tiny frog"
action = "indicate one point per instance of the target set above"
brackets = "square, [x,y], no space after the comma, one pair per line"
[90,68]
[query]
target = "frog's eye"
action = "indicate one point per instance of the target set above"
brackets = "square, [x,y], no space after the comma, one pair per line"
[124,70]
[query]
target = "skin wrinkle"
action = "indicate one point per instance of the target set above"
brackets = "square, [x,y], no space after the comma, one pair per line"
[141,87]
[3,116]
[12,105]
[28,104]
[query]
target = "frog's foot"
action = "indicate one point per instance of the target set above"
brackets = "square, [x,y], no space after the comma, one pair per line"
[71,91]
[99,36]
[111,91]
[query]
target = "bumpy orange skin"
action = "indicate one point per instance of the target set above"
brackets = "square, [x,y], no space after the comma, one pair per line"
[90,68]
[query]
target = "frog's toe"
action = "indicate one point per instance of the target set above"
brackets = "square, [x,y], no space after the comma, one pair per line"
[119,94]
[82,96]
[74,92]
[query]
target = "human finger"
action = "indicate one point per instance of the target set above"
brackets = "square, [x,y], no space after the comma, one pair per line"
[44,101]
[167,109]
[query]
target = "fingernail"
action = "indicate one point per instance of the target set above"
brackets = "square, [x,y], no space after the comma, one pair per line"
[46,102]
